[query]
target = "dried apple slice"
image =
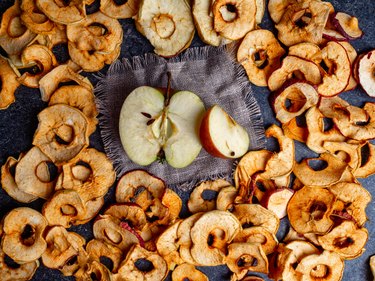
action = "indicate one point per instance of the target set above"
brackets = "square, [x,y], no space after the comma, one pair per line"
[293,99]
[130,213]
[256,215]
[324,266]
[75,263]
[294,67]
[119,11]
[244,257]
[168,26]
[9,84]
[34,19]
[366,66]
[333,35]
[347,25]
[295,131]
[23,238]
[65,14]
[197,203]
[309,210]
[351,152]
[277,8]
[259,53]
[211,234]
[277,201]
[129,270]
[98,249]
[258,235]
[352,55]
[347,240]
[226,197]
[233,20]
[337,69]
[317,134]
[303,22]
[329,175]
[306,50]
[367,165]
[9,185]
[188,271]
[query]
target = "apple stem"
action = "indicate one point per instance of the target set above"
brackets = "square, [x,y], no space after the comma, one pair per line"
[169,75]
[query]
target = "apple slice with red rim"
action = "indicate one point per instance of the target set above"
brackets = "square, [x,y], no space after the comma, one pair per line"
[221,135]
[331,34]
[366,68]
[277,201]
[347,25]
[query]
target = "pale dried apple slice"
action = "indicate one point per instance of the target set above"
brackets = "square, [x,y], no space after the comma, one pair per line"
[256,215]
[188,271]
[9,84]
[259,53]
[294,67]
[258,235]
[317,134]
[197,203]
[329,175]
[277,201]
[352,55]
[347,25]
[293,99]
[337,69]
[168,25]
[351,152]
[277,8]
[64,14]
[347,240]
[367,165]
[324,266]
[366,66]
[233,20]
[309,210]
[261,8]
[306,50]
[211,234]
[225,198]
[303,22]
[23,238]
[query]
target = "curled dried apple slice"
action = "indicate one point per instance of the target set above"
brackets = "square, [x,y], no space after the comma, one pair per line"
[225,198]
[367,164]
[65,14]
[258,235]
[295,131]
[322,176]
[168,26]
[324,266]
[347,240]
[9,84]
[197,203]
[337,69]
[259,53]
[277,8]
[331,34]
[366,66]
[119,11]
[34,19]
[233,20]
[98,249]
[211,234]
[352,55]
[350,153]
[294,67]
[309,210]
[188,271]
[347,25]
[303,22]
[23,238]
[293,99]
[306,50]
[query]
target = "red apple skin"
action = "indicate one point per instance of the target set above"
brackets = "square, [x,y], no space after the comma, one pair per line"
[205,137]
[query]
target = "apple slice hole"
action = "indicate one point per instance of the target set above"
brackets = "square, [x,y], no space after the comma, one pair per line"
[317,164]
[295,101]
[298,74]
[10,262]
[317,210]
[302,18]
[273,142]
[365,154]
[328,124]
[209,195]
[144,265]
[247,225]
[247,261]
[107,262]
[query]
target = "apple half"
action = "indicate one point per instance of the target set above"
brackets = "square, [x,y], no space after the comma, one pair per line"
[221,135]
[153,126]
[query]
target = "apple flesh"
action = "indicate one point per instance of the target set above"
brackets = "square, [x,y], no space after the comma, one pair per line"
[151,127]
[222,136]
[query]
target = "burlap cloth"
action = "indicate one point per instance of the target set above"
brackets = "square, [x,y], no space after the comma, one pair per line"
[209,72]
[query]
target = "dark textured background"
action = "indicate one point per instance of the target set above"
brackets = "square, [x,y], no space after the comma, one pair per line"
[19,121]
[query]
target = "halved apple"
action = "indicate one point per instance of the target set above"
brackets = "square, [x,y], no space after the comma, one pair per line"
[221,135]
[153,126]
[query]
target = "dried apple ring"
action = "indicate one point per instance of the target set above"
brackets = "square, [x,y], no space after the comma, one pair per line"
[119,11]
[309,210]
[34,19]
[325,266]
[258,235]
[132,214]
[259,53]
[303,22]
[197,203]
[64,208]
[9,84]
[60,12]
[14,36]
[62,132]
[61,247]
[62,73]
[23,235]
[233,19]
[8,182]
[168,25]
[43,58]
[32,174]
[226,198]
[350,152]
[277,8]
[347,240]
[306,50]
[367,166]
[327,176]
[188,271]
[80,34]
[98,249]
[294,67]
[211,234]
[75,263]
[19,272]
[92,209]
[93,270]
[255,215]
[129,270]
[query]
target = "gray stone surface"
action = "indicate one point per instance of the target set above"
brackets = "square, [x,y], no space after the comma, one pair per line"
[19,121]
